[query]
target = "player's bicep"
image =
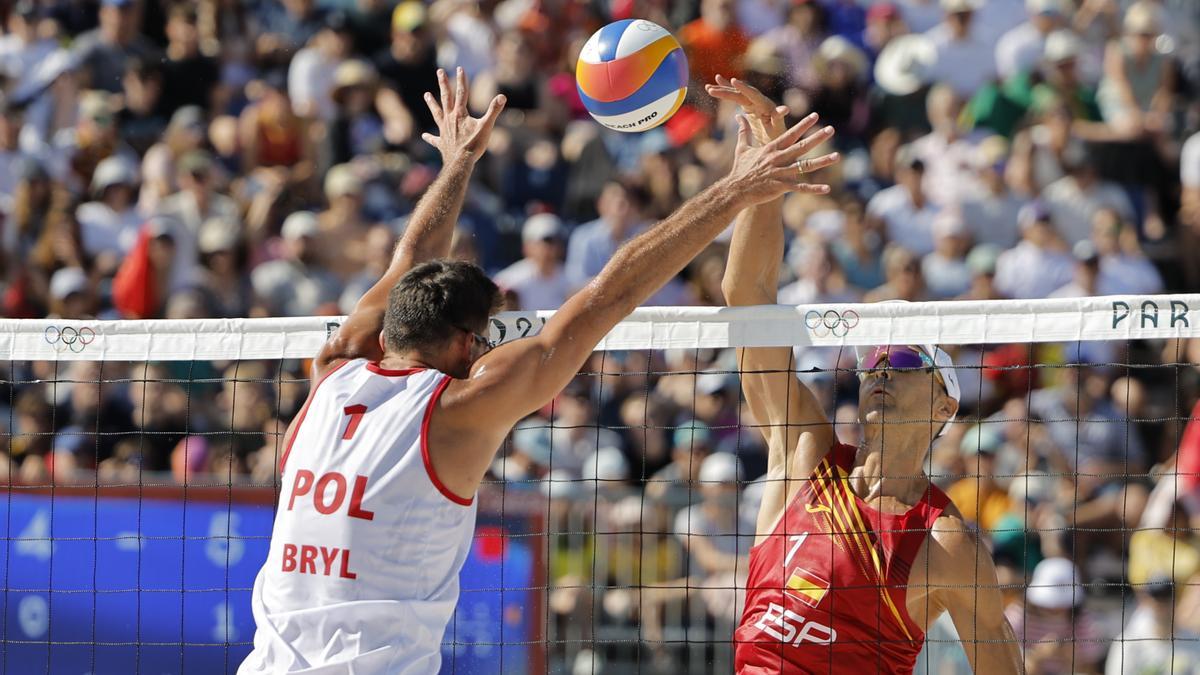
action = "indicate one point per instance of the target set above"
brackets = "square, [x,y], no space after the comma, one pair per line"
[783,408]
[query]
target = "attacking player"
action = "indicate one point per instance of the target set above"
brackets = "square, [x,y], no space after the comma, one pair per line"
[410,404]
[856,552]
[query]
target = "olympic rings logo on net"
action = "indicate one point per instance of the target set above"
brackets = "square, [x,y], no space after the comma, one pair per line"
[69,338]
[831,322]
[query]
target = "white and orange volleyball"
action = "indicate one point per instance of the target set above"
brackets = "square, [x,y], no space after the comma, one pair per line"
[632,75]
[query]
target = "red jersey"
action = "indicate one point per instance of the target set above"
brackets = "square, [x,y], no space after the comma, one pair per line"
[826,590]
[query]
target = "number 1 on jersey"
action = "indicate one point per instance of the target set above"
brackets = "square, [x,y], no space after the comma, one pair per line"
[355,413]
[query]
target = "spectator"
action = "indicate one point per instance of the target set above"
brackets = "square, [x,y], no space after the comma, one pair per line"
[819,277]
[839,96]
[190,76]
[22,49]
[379,245]
[1055,630]
[102,53]
[981,261]
[1020,49]
[358,127]
[903,211]
[1037,265]
[714,43]
[76,151]
[947,154]
[797,41]
[409,63]
[184,133]
[297,284]
[964,59]
[223,280]
[25,216]
[284,26]
[140,122]
[272,134]
[312,71]
[196,202]
[509,75]
[71,294]
[990,213]
[1151,641]
[691,444]
[982,498]
[945,270]
[538,278]
[1123,267]
[902,271]
[343,225]
[1074,199]
[1087,273]
[711,530]
[110,223]
[1137,92]
[592,244]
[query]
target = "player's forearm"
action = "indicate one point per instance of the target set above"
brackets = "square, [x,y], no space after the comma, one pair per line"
[650,260]
[752,274]
[431,227]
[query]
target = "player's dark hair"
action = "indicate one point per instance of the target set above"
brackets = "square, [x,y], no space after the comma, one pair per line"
[435,299]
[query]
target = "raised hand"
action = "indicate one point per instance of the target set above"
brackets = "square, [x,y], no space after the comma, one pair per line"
[760,174]
[766,119]
[460,135]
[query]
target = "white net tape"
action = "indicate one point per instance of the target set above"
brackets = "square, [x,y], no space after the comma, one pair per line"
[976,322]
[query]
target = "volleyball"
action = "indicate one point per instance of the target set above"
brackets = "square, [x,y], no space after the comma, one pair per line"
[632,75]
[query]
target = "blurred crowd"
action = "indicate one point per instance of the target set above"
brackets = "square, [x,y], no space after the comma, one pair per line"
[229,158]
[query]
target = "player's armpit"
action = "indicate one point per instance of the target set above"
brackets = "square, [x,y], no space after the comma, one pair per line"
[971,593]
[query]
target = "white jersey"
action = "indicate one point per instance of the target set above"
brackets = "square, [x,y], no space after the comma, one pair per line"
[362,573]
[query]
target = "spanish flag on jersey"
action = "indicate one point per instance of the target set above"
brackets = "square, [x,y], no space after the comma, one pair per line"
[806,587]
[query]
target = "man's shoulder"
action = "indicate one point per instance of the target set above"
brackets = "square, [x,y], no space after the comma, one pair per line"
[957,544]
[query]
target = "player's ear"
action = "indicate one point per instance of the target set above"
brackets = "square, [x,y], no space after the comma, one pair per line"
[945,408]
[382,343]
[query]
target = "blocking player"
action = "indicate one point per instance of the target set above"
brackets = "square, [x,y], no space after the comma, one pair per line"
[410,404]
[856,552]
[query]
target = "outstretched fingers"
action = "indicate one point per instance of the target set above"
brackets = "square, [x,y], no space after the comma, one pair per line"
[444,90]
[791,152]
[793,135]
[460,93]
[484,128]
[812,164]
[434,108]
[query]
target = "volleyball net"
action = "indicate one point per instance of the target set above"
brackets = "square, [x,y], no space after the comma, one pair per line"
[613,533]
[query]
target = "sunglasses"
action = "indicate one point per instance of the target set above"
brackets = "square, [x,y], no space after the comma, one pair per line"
[897,358]
[481,342]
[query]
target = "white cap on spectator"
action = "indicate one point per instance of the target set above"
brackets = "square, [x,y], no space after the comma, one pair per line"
[541,227]
[1055,585]
[1045,7]
[217,234]
[905,64]
[341,181]
[300,224]
[115,170]
[720,467]
[1061,45]
[606,464]
[953,6]
[66,281]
